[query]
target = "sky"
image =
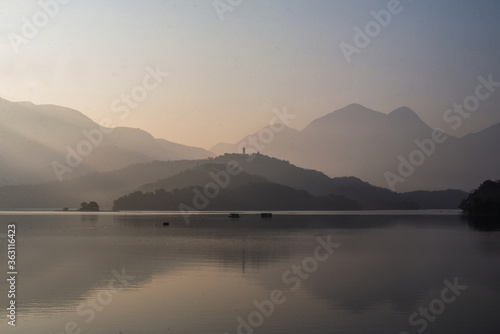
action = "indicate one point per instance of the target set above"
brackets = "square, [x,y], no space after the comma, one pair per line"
[228,70]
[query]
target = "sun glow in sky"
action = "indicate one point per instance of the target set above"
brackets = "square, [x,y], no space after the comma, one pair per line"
[226,76]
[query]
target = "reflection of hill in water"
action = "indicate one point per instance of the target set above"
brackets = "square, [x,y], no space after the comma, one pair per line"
[489,227]
[486,223]
[396,259]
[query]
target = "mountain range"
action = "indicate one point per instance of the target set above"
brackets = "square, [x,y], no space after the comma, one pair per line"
[187,175]
[34,139]
[243,192]
[357,141]
[347,152]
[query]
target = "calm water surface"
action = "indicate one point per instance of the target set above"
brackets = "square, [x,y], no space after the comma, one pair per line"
[126,273]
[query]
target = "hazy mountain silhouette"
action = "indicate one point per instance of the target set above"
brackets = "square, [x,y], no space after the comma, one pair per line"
[314,182]
[222,148]
[257,196]
[357,141]
[103,187]
[284,140]
[353,141]
[32,137]
[106,187]
[199,176]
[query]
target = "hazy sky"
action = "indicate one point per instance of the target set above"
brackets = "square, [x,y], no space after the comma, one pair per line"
[226,76]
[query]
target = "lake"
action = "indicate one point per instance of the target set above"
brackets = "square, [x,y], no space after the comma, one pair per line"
[342,272]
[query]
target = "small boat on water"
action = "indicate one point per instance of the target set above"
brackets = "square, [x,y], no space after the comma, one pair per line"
[266,215]
[234,215]
[166,224]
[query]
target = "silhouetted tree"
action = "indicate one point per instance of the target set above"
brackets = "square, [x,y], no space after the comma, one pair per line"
[485,199]
[92,206]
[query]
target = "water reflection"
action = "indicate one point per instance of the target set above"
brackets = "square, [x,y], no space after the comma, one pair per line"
[485,223]
[212,269]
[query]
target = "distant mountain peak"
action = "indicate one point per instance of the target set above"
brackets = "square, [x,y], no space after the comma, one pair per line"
[406,115]
[352,113]
[404,112]
[355,107]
